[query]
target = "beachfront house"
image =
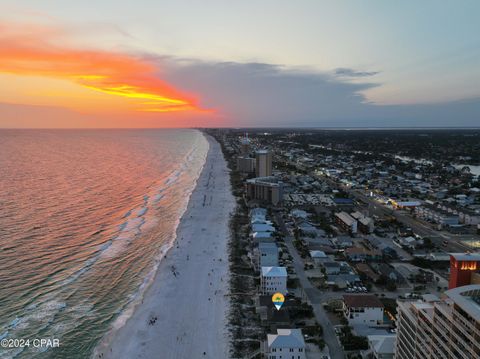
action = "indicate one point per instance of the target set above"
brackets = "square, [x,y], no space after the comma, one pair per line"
[262,237]
[346,222]
[262,227]
[286,344]
[268,254]
[273,280]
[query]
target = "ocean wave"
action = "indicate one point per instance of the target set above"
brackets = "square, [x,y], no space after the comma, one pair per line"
[127,311]
[69,298]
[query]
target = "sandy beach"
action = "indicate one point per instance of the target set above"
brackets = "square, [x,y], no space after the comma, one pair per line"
[184,312]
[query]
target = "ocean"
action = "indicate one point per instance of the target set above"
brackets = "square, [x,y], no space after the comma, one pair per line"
[85,218]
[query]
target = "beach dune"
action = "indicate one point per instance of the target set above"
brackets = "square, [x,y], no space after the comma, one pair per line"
[183,313]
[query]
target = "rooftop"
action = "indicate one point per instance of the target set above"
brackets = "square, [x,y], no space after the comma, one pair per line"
[270,181]
[262,152]
[362,301]
[361,250]
[382,344]
[467,298]
[318,254]
[286,338]
[274,271]
[345,217]
[466,256]
[267,245]
[262,235]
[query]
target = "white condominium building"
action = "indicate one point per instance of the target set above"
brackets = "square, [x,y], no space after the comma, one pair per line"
[440,328]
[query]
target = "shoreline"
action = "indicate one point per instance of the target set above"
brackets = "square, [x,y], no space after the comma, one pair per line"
[183,312]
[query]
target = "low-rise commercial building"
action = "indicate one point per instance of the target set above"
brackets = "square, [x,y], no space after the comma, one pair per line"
[437,214]
[365,224]
[346,222]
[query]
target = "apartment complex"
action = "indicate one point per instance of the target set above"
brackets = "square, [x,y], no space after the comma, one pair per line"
[263,163]
[440,328]
[245,164]
[265,189]
[346,222]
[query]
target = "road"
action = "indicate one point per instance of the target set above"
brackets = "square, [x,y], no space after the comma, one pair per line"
[315,296]
[437,237]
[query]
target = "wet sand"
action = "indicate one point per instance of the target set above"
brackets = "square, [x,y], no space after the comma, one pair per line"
[184,312]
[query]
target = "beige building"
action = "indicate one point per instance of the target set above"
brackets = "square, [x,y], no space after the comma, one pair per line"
[346,222]
[265,189]
[440,328]
[246,164]
[263,167]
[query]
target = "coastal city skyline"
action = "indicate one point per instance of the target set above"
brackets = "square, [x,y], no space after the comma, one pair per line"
[256,179]
[212,64]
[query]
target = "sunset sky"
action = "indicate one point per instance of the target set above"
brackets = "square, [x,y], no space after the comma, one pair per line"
[155,63]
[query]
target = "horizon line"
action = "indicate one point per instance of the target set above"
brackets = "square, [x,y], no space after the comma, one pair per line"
[345,128]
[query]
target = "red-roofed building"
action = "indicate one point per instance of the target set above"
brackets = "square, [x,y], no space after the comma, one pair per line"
[363,309]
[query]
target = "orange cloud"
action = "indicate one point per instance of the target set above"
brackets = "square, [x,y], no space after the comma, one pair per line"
[30,51]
